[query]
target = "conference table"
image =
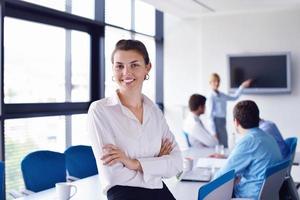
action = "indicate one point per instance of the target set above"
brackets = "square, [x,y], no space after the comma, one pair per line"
[90,188]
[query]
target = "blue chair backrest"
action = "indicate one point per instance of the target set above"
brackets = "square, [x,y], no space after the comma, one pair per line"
[274,177]
[220,188]
[43,169]
[1,180]
[186,135]
[80,161]
[292,144]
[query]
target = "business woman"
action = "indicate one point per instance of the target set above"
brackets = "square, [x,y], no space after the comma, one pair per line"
[216,107]
[131,140]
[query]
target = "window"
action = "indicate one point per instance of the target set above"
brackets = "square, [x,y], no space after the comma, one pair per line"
[80,62]
[79,130]
[38,58]
[54,4]
[23,136]
[84,8]
[144,18]
[118,12]
[52,64]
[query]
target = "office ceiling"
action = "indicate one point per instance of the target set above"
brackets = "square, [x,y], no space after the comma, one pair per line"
[198,8]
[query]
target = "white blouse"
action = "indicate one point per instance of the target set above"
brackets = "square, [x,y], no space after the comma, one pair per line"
[109,122]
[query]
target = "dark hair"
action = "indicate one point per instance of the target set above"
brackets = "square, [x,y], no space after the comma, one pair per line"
[247,114]
[195,101]
[135,45]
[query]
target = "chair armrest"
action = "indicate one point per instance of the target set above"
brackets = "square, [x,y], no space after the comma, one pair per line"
[72,178]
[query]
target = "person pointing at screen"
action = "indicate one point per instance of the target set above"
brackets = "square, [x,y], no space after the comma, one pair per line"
[216,107]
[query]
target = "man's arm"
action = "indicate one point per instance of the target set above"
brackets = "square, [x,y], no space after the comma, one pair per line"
[239,159]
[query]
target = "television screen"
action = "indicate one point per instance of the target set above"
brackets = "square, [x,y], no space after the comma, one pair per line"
[270,73]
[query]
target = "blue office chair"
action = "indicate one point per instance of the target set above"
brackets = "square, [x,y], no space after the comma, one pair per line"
[80,161]
[220,188]
[274,177]
[292,144]
[288,189]
[42,169]
[186,135]
[1,180]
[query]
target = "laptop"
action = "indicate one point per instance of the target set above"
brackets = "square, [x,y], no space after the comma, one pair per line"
[197,174]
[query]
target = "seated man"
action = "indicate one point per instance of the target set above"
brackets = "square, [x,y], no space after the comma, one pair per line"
[252,154]
[193,126]
[271,128]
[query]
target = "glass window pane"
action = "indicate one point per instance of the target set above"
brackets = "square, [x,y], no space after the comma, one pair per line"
[118,12]
[144,18]
[34,62]
[84,8]
[54,4]
[79,130]
[112,36]
[23,136]
[80,53]
[149,85]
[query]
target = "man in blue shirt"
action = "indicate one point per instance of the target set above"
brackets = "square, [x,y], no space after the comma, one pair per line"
[271,128]
[252,154]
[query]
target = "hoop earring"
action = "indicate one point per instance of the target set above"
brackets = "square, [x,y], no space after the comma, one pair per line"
[147,77]
[113,78]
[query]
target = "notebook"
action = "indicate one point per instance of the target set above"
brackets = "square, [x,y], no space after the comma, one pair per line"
[198,174]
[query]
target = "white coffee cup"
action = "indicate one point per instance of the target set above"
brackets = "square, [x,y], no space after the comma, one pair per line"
[188,164]
[63,190]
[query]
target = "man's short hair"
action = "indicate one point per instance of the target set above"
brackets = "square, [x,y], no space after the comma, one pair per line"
[195,101]
[247,114]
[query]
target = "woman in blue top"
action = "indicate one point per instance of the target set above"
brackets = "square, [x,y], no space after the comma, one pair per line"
[216,107]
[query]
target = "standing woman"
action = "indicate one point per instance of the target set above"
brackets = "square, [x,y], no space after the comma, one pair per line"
[131,140]
[216,107]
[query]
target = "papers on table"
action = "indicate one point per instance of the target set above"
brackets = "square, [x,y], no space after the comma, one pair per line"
[211,162]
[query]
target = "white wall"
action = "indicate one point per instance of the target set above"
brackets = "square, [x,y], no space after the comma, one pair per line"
[198,48]
[181,68]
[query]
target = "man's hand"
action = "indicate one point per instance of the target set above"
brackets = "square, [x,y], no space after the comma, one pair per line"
[217,155]
[112,154]
[166,147]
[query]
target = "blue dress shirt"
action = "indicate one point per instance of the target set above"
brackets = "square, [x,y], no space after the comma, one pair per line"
[250,157]
[216,105]
[271,128]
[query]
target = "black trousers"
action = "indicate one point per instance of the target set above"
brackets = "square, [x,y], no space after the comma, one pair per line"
[137,193]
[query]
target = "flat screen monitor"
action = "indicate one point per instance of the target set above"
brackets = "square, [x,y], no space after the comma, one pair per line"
[270,73]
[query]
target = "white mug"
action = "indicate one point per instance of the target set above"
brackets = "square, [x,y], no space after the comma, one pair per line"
[63,190]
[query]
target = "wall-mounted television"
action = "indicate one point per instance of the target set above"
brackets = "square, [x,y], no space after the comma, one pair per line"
[270,72]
